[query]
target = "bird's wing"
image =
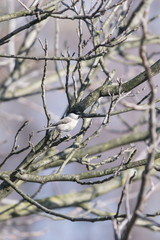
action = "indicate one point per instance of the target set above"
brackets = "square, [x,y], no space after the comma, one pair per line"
[67,120]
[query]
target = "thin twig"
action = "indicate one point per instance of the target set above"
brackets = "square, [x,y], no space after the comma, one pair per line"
[43,82]
[15,146]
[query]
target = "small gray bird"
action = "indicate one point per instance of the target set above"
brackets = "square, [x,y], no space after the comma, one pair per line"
[66,124]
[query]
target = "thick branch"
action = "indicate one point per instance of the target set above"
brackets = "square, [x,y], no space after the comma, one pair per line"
[113,89]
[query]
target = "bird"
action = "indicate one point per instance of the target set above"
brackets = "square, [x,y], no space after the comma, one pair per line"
[66,124]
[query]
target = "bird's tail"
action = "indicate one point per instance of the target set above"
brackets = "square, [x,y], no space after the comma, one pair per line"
[47,128]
